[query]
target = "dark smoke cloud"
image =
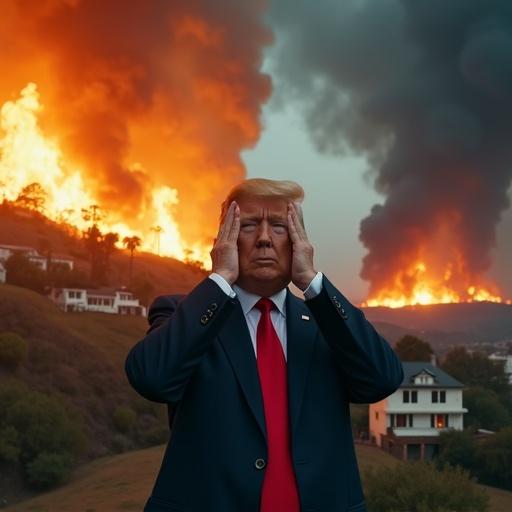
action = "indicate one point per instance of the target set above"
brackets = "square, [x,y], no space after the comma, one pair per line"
[425,89]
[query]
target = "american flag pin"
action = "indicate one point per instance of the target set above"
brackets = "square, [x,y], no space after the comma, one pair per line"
[305,317]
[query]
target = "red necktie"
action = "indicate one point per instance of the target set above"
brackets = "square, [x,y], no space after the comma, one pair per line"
[279,493]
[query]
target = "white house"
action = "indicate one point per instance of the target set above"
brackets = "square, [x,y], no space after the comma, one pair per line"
[507,364]
[408,422]
[104,300]
[6,251]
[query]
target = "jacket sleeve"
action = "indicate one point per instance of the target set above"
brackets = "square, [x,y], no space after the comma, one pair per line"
[370,368]
[161,364]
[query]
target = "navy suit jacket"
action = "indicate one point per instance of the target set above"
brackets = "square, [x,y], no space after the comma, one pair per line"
[198,358]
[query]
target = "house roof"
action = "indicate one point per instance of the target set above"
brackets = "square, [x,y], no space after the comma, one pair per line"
[411,369]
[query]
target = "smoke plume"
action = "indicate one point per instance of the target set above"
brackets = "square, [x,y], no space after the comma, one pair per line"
[424,88]
[144,93]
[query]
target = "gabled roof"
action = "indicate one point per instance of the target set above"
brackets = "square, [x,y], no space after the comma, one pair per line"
[441,379]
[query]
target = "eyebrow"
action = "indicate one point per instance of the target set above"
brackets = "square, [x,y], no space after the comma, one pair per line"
[258,218]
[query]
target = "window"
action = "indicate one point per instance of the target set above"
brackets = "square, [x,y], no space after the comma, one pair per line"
[410,420]
[414,397]
[406,397]
[401,420]
[376,415]
[442,396]
[434,397]
[439,420]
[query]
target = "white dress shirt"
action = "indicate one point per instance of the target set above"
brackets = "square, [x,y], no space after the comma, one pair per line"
[277,315]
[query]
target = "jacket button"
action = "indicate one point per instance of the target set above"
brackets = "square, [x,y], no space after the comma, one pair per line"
[213,306]
[205,319]
[260,463]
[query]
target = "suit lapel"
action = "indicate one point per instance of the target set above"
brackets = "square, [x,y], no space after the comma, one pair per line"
[301,336]
[236,340]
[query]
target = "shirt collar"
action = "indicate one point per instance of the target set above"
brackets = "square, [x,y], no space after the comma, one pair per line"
[248,300]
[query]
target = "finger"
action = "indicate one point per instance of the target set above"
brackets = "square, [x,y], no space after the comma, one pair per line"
[226,225]
[296,222]
[292,230]
[235,225]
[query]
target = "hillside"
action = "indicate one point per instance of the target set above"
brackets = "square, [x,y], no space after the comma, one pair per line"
[123,483]
[79,357]
[165,275]
[446,324]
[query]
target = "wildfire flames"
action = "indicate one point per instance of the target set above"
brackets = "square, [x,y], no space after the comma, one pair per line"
[418,286]
[27,156]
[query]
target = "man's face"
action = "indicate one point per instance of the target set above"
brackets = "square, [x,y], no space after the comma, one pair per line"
[264,247]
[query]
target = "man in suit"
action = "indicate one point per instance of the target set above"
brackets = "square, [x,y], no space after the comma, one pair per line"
[258,382]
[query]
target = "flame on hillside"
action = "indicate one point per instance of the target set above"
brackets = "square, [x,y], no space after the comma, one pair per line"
[418,286]
[28,156]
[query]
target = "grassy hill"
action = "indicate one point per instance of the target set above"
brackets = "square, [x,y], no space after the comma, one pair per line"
[79,357]
[123,483]
[165,275]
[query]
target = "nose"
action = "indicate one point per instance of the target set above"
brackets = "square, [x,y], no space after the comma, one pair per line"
[264,239]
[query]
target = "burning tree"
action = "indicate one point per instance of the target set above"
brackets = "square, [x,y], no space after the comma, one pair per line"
[33,197]
[132,243]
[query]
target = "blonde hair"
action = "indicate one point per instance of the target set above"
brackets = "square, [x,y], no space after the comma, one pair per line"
[261,187]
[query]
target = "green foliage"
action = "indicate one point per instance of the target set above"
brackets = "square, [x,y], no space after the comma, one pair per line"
[420,487]
[35,428]
[476,369]
[48,469]
[13,350]
[159,434]
[411,348]
[485,409]
[9,444]
[21,272]
[124,418]
[458,448]
[495,459]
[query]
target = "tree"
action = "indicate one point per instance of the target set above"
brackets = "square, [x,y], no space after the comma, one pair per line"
[485,409]
[32,196]
[476,369]
[411,348]
[458,448]
[495,455]
[131,243]
[420,487]
[22,272]
[13,350]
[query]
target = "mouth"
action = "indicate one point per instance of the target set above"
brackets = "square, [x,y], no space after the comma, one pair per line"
[263,261]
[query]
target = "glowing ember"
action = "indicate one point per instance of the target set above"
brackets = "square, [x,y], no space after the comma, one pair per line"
[28,156]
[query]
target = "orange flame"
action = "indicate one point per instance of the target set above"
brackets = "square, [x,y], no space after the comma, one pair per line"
[419,286]
[28,156]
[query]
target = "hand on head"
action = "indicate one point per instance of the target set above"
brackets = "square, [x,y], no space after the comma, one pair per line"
[303,270]
[224,253]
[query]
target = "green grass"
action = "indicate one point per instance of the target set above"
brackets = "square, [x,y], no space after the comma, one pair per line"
[123,483]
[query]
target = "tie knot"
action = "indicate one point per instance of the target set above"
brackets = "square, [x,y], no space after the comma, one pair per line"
[265,305]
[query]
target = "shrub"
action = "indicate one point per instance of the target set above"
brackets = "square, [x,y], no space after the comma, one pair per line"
[420,487]
[159,434]
[48,469]
[37,431]
[124,418]
[495,456]
[458,448]
[13,350]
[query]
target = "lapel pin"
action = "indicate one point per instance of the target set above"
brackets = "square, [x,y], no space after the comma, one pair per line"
[305,317]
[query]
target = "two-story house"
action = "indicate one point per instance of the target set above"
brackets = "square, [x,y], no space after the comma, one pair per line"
[104,300]
[408,422]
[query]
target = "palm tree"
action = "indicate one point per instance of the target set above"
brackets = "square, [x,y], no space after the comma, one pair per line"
[131,243]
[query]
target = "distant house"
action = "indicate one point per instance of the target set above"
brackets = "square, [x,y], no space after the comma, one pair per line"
[103,300]
[6,251]
[407,423]
[507,364]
